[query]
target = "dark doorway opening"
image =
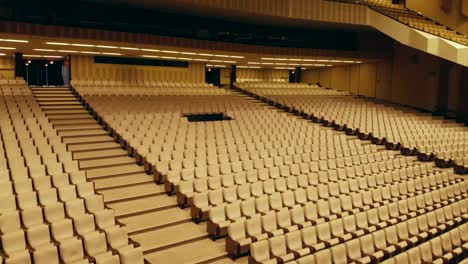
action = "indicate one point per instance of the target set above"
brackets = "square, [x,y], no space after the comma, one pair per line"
[213,76]
[44,72]
[292,77]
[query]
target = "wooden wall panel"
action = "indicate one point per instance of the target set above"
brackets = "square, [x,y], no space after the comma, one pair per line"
[262,75]
[354,79]
[367,79]
[7,67]
[84,68]
[310,76]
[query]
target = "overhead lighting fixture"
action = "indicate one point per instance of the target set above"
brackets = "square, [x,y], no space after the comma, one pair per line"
[7,48]
[253,62]
[14,40]
[68,51]
[166,57]
[151,50]
[128,48]
[219,66]
[221,55]
[48,50]
[204,54]
[2,54]
[237,57]
[90,52]
[106,47]
[170,51]
[187,59]
[42,56]
[199,59]
[83,45]
[283,68]
[150,56]
[58,43]
[110,53]
[249,67]
[188,53]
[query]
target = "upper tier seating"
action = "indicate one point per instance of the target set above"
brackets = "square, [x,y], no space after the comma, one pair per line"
[283,188]
[412,19]
[49,213]
[410,128]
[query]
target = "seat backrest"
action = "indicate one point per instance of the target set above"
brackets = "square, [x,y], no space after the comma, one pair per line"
[260,251]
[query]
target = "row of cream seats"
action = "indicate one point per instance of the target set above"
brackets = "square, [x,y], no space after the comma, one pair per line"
[217,161]
[397,125]
[49,212]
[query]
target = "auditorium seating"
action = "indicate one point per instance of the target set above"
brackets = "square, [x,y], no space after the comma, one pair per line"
[48,211]
[416,131]
[278,187]
[412,19]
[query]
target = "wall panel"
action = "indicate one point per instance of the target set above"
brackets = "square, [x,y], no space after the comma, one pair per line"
[83,67]
[262,75]
[310,76]
[7,67]
[415,78]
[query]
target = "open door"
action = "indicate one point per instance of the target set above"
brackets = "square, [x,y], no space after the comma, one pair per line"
[213,76]
[44,72]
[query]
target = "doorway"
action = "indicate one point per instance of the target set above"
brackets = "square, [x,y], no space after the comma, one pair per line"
[292,77]
[44,72]
[213,76]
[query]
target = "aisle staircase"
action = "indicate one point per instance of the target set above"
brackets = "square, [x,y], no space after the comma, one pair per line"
[153,219]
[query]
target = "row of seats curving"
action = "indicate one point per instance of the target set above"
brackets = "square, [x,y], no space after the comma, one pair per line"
[431,138]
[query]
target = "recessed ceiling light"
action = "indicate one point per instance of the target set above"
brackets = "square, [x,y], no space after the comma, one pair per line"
[2,54]
[188,53]
[152,50]
[221,55]
[42,56]
[110,53]
[166,57]
[106,47]
[128,48]
[150,56]
[253,62]
[204,54]
[82,45]
[14,40]
[188,59]
[7,48]
[237,57]
[90,52]
[57,43]
[170,51]
[199,59]
[68,51]
[44,49]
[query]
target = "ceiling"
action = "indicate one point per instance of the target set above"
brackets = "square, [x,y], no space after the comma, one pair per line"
[34,47]
[171,18]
